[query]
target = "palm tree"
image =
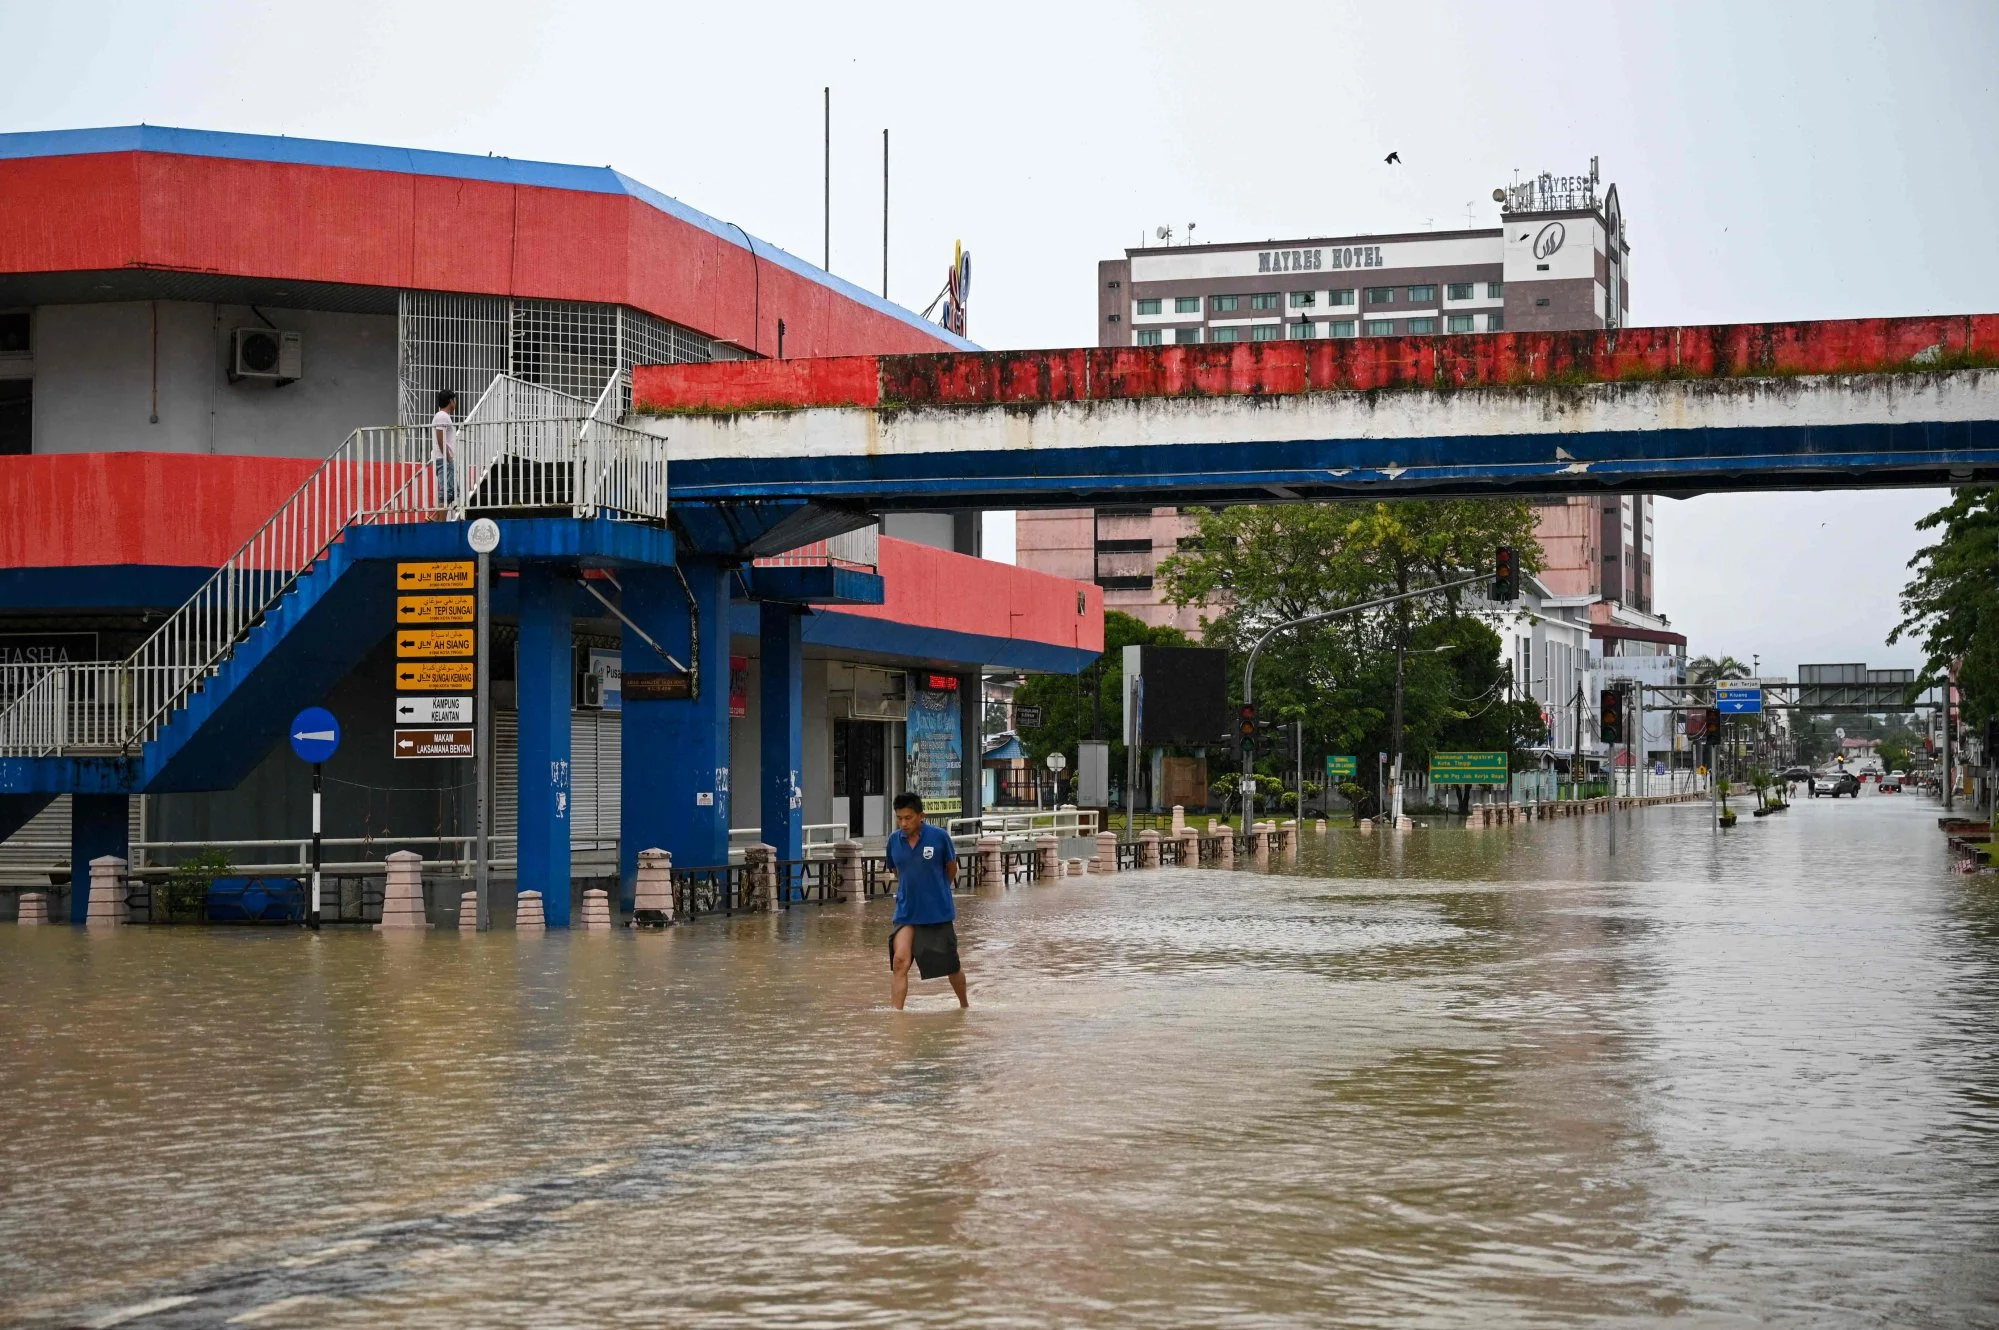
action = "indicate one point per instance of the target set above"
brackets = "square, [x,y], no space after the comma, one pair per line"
[1706,669]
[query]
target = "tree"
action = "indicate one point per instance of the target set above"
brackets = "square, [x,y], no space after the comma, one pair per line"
[1067,714]
[1706,669]
[1951,606]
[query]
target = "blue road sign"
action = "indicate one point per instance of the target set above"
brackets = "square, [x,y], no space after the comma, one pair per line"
[1739,701]
[315,734]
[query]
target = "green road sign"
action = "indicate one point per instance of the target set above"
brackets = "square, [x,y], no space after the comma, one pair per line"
[1340,767]
[1468,768]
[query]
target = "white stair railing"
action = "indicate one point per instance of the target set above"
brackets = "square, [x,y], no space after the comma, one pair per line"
[522,448]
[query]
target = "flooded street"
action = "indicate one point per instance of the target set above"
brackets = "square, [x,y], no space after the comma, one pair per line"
[1603,1069]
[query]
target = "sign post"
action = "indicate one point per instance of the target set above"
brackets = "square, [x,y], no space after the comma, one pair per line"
[315,737]
[484,537]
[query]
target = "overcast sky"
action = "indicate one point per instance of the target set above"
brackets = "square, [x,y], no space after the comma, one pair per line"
[1812,160]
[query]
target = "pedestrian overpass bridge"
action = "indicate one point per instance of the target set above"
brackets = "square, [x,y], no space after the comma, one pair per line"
[768,456]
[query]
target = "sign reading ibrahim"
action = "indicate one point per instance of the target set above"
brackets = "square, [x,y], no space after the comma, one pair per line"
[1468,768]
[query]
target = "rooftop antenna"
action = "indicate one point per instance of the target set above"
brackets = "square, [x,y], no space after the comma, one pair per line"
[1164,233]
[1471,213]
[1190,233]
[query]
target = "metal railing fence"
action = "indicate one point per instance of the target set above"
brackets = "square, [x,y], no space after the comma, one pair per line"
[859,548]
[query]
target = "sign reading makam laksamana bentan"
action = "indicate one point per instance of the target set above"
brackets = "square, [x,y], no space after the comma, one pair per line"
[1468,768]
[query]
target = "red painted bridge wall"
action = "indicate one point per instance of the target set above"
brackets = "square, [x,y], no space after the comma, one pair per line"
[183,510]
[100,211]
[1279,368]
[939,589]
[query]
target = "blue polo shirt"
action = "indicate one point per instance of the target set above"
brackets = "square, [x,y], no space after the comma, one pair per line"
[922,891]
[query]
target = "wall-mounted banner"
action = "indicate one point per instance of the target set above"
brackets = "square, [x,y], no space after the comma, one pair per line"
[934,750]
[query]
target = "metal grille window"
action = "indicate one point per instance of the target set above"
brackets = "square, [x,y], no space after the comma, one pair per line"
[462,342]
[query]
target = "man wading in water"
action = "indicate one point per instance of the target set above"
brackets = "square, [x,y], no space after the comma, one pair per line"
[926,868]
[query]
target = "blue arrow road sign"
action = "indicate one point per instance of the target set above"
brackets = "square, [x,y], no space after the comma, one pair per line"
[1739,701]
[315,734]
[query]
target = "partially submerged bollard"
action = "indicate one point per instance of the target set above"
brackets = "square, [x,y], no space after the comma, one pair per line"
[1179,819]
[1319,827]
[468,912]
[1259,843]
[1047,858]
[1190,848]
[528,914]
[402,894]
[652,895]
[1106,852]
[1287,838]
[761,887]
[107,892]
[1365,826]
[1079,866]
[1226,859]
[34,908]
[992,862]
[597,910]
[848,884]
[1148,848]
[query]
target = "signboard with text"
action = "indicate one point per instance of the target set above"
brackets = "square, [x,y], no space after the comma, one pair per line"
[1739,701]
[1341,766]
[436,668]
[1467,768]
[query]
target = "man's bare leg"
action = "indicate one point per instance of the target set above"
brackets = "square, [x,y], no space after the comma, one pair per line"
[898,987]
[957,978]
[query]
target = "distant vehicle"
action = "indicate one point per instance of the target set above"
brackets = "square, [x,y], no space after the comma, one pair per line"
[1796,773]
[1890,783]
[1832,784]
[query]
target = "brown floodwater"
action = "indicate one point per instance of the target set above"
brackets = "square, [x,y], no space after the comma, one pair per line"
[1607,1070]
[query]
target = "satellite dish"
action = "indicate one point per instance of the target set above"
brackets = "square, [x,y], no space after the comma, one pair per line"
[1499,196]
[1163,232]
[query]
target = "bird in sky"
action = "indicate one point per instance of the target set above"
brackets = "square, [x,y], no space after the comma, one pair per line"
[1393,159]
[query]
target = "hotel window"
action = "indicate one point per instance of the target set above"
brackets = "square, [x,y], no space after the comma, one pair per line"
[1150,336]
[1422,326]
[1459,323]
[1341,297]
[1225,334]
[1304,299]
[1460,291]
[1380,295]
[1186,304]
[1299,332]
[1148,307]
[1263,332]
[1263,300]
[1381,327]
[1495,323]
[1422,295]
[1341,328]
[1222,304]
[1186,336]
[1494,290]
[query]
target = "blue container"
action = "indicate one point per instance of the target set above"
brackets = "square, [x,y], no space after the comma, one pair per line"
[256,900]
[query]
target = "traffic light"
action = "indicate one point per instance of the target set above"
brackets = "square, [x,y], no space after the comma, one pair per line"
[1610,716]
[1246,723]
[1713,723]
[1505,574]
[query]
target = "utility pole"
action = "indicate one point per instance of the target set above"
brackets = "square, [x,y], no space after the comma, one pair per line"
[1949,776]
[826,212]
[884,214]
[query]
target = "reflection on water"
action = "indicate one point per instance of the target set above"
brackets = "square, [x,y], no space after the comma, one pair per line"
[1613,1068]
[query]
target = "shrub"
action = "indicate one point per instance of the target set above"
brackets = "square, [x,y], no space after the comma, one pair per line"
[185,894]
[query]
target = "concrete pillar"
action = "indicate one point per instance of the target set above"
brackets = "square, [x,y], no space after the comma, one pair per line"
[1213,826]
[1079,866]
[105,897]
[1106,852]
[1179,818]
[468,912]
[1287,838]
[1365,826]
[99,825]
[760,882]
[1148,848]
[1190,847]
[1259,844]
[528,917]
[971,740]
[781,726]
[675,754]
[1319,827]
[34,908]
[1047,858]
[653,889]
[1226,859]
[544,683]
[992,863]
[402,895]
[848,884]
[597,910]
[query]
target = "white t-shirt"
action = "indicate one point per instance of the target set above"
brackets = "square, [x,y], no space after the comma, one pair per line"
[444,435]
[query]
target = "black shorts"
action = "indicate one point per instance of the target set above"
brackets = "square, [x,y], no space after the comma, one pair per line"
[934,950]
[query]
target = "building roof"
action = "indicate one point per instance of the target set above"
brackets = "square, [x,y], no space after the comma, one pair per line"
[26,245]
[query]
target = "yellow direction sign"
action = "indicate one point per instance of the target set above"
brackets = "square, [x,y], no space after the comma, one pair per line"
[433,676]
[416,642]
[445,575]
[434,609]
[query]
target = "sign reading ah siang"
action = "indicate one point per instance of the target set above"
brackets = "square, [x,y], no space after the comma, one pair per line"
[1467,768]
[1306,260]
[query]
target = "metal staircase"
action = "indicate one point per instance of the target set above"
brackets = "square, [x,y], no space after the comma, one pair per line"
[522,450]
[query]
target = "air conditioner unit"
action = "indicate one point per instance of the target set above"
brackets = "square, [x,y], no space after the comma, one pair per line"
[590,691]
[266,353]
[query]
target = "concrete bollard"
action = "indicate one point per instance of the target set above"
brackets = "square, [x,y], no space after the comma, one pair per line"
[766,885]
[1319,827]
[468,912]
[1226,857]
[34,908]
[992,863]
[1365,826]
[402,896]
[528,914]
[652,894]
[848,884]
[1047,859]
[1179,818]
[1405,823]
[107,892]
[1259,844]
[1079,867]
[1106,852]
[1190,848]
[1148,848]
[1287,838]
[597,910]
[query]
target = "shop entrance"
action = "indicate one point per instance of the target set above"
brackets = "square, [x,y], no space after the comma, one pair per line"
[860,776]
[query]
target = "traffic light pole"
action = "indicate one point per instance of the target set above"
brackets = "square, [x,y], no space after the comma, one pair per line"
[1249,672]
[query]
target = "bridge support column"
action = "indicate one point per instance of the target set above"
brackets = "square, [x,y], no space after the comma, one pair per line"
[545,685]
[99,825]
[782,734]
[675,752]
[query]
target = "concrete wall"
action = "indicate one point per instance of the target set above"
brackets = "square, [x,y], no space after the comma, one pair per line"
[94,381]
